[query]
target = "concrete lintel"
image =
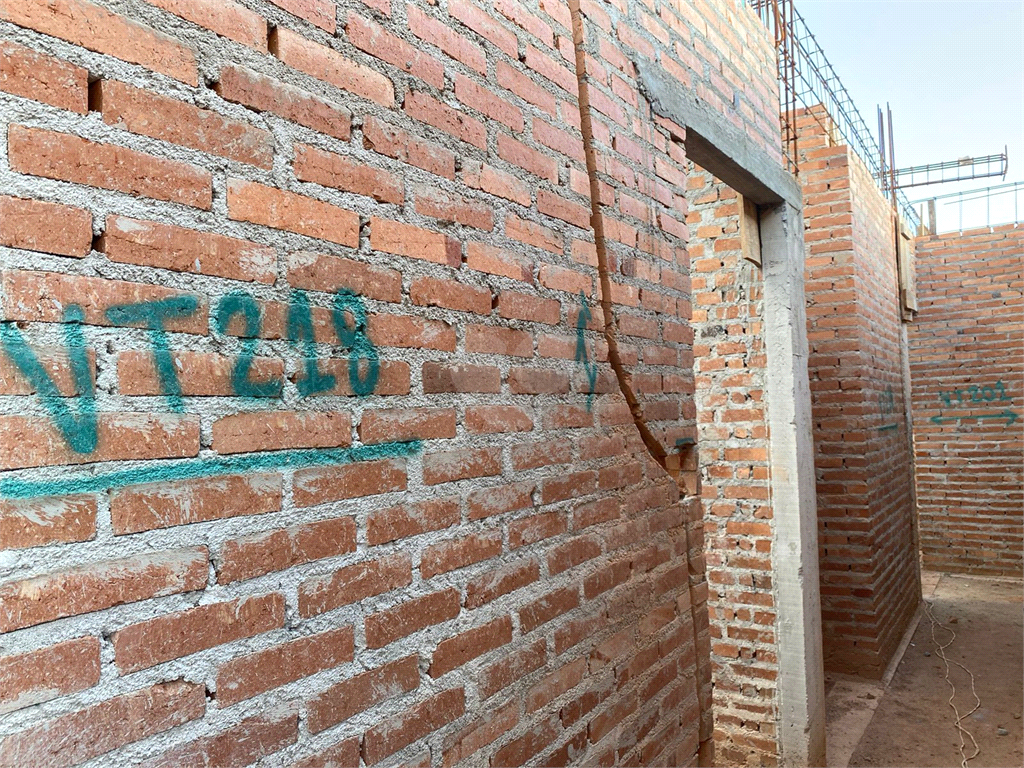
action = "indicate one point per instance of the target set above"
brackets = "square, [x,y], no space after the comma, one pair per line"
[715,144]
[801,684]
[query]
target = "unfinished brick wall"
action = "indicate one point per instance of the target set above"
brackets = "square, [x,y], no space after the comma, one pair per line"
[869,580]
[730,369]
[968,392]
[308,445]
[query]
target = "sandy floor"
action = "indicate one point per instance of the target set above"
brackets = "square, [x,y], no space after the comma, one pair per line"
[910,723]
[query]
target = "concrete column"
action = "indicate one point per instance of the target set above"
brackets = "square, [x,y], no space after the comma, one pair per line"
[801,683]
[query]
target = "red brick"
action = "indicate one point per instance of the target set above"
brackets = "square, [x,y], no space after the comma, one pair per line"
[340,702]
[321,272]
[57,363]
[409,424]
[34,75]
[484,25]
[568,486]
[34,225]
[393,378]
[484,100]
[278,550]
[107,166]
[265,94]
[81,735]
[248,676]
[376,41]
[318,12]
[457,209]
[408,240]
[97,29]
[151,244]
[515,12]
[530,530]
[149,114]
[459,125]
[464,647]
[495,182]
[499,341]
[568,280]
[164,505]
[537,381]
[572,553]
[395,142]
[548,607]
[554,685]
[43,296]
[353,583]
[458,553]
[501,581]
[440,34]
[515,667]
[496,261]
[485,502]
[331,170]
[341,755]
[240,745]
[199,374]
[226,18]
[94,587]
[331,67]
[490,419]
[519,751]
[438,378]
[603,724]
[364,478]
[609,576]
[38,676]
[522,85]
[431,292]
[478,734]
[546,67]
[534,234]
[278,430]
[540,454]
[34,442]
[555,205]
[462,464]
[520,306]
[387,626]
[572,633]
[411,519]
[256,203]
[36,522]
[174,635]
[414,724]
[405,331]
[514,151]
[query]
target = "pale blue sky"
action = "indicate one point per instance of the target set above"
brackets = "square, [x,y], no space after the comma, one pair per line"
[952,71]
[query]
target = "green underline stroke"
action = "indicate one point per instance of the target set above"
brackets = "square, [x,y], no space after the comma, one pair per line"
[14,488]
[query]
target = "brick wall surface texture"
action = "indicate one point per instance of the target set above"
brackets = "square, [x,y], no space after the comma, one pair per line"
[309,451]
[968,390]
[730,370]
[864,465]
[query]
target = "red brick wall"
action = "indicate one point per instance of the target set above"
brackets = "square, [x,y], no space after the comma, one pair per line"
[308,448]
[729,371]
[869,579]
[968,392]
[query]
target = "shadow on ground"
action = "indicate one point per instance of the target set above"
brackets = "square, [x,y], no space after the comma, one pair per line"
[910,722]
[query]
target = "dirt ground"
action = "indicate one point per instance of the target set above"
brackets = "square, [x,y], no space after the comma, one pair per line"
[912,724]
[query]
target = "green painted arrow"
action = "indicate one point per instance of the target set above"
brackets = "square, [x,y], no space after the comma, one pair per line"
[1010,416]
